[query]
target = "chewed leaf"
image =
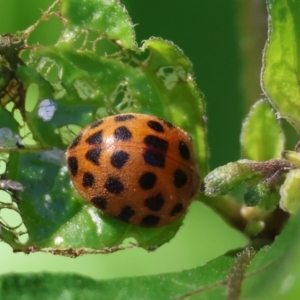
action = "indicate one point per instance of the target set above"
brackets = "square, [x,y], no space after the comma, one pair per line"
[280,77]
[104,17]
[94,70]
[262,137]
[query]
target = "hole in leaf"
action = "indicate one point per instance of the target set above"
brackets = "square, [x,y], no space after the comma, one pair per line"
[105,47]
[46,33]
[68,133]
[23,236]
[10,218]
[84,89]
[26,135]
[122,98]
[9,106]
[5,198]
[2,166]
[49,69]
[31,97]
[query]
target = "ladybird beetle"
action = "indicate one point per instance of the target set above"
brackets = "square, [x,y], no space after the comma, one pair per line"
[134,167]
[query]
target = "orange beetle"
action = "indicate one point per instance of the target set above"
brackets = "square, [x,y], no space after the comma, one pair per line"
[134,167]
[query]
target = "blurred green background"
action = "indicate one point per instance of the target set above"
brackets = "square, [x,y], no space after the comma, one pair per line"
[207,32]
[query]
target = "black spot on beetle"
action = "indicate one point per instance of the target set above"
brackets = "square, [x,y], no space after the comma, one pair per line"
[119,159]
[154,158]
[122,118]
[96,124]
[177,209]
[95,138]
[76,141]
[88,179]
[99,202]
[150,221]
[73,165]
[122,133]
[155,142]
[156,126]
[180,178]
[126,213]
[147,180]
[93,156]
[114,185]
[170,125]
[184,150]
[155,203]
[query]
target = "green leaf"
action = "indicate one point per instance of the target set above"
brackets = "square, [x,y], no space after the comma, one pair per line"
[262,137]
[262,195]
[205,282]
[275,271]
[280,78]
[223,179]
[293,157]
[109,18]
[94,70]
[289,192]
[271,273]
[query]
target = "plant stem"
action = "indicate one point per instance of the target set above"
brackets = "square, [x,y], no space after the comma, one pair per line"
[231,211]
